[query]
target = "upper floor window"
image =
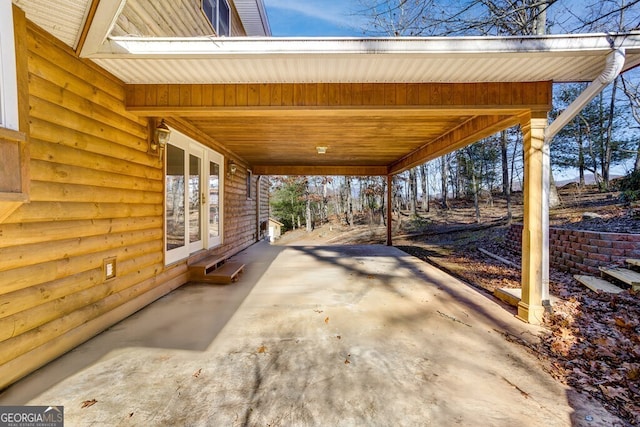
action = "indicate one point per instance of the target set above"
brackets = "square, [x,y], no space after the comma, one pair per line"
[8,82]
[218,13]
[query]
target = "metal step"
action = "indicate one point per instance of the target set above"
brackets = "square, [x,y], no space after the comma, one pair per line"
[597,284]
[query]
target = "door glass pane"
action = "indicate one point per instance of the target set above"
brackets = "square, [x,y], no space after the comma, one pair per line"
[195,223]
[175,198]
[214,203]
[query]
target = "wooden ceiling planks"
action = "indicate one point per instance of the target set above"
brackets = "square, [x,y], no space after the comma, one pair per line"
[382,128]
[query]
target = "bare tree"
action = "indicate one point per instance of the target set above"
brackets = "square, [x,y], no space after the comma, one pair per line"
[424,186]
[633,95]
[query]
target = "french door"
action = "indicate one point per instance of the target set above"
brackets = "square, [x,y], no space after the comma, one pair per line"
[193,202]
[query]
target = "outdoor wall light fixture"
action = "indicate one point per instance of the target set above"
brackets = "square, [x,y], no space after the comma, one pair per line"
[321,150]
[159,139]
[232,169]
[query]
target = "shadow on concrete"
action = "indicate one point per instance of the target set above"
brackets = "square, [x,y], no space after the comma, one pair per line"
[189,318]
[331,335]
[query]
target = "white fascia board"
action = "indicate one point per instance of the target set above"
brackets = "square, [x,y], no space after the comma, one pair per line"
[128,47]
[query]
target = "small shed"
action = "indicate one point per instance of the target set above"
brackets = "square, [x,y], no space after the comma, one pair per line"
[275,229]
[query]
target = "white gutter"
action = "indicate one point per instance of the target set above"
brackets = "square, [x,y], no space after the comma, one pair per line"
[613,67]
[199,47]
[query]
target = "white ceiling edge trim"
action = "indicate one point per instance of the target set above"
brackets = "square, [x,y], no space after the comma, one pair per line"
[104,20]
[194,47]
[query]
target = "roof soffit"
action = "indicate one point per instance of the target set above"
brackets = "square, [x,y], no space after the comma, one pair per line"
[380,60]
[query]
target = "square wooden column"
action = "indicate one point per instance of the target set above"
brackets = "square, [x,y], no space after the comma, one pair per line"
[535,244]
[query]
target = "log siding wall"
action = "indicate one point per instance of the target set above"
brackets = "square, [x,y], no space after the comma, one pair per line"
[95,194]
[582,252]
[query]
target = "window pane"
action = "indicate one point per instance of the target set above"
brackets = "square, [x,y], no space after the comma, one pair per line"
[208,8]
[223,18]
[194,199]
[214,203]
[175,198]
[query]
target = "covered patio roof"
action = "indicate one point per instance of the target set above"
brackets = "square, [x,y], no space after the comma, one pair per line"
[379,105]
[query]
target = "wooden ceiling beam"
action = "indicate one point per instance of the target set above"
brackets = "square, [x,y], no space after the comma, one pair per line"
[191,97]
[319,170]
[469,132]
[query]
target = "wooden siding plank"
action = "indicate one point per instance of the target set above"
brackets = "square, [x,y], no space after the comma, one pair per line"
[55,192]
[57,211]
[96,193]
[61,173]
[47,132]
[58,153]
[15,257]
[71,102]
[25,234]
[28,361]
[34,317]
[55,276]
[14,347]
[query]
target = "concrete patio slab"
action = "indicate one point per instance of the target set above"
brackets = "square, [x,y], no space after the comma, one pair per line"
[330,336]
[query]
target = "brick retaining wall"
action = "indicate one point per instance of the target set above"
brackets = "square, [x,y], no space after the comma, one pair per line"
[579,251]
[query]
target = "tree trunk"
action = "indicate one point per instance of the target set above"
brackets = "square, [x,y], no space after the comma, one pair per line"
[383,216]
[413,190]
[349,204]
[476,202]
[580,158]
[606,162]
[424,183]
[307,218]
[444,171]
[506,185]
[541,19]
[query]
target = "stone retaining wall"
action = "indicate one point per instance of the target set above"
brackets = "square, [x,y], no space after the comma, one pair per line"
[582,252]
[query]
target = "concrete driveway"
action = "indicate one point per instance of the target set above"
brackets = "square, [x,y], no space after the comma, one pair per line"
[327,336]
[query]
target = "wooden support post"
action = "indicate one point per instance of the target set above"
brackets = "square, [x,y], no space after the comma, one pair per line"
[389,208]
[536,182]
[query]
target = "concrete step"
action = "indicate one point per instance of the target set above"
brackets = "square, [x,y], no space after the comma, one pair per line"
[629,277]
[226,273]
[597,284]
[512,296]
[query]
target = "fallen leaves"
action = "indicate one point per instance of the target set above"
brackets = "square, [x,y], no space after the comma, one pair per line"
[601,352]
[592,340]
[87,403]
